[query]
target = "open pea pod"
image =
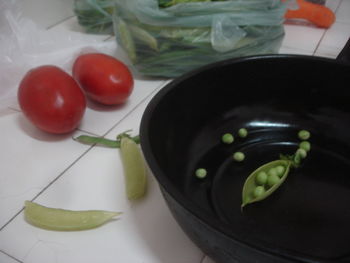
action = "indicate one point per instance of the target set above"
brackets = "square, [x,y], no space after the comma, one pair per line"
[257,188]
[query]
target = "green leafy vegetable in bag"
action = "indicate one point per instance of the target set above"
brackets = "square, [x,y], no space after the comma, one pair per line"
[95,16]
[166,38]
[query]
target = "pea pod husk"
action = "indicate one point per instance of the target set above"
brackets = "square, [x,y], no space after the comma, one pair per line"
[134,169]
[250,183]
[65,220]
[126,39]
[135,173]
[144,36]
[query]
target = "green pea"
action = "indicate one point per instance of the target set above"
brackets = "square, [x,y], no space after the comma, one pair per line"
[261,178]
[272,180]
[280,170]
[201,173]
[238,156]
[227,138]
[305,145]
[299,154]
[272,172]
[242,133]
[302,153]
[65,220]
[304,135]
[250,194]
[258,191]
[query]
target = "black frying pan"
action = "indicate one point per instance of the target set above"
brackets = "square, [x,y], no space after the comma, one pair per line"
[274,96]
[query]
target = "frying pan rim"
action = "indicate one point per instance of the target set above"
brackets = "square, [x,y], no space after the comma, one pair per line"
[166,183]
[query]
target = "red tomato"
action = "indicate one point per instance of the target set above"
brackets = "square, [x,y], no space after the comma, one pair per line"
[104,78]
[51,99]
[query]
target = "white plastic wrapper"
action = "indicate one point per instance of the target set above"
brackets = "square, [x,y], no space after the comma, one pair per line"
[25,45]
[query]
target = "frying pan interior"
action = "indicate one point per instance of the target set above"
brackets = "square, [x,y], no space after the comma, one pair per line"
[273,98]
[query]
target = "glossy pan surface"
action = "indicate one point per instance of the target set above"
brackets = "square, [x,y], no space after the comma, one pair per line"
[308,218]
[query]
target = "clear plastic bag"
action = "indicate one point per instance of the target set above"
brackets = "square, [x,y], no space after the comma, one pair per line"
[95,15]
[167,42]
[25,45]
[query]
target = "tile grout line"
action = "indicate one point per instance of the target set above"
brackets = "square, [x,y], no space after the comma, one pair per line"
[326,30]
[339,4]
[134,108]
[203,258]
[296,49]
[319,42]
[14,109]
[83,154]
[59,22]
[1,251]
[90,133]
[124,117]
[108,38]
[62,173]
[77,129]
[47,186]
[68,18]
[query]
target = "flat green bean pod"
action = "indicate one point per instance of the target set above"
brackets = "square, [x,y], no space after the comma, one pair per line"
[143,36]
[251,194]
[127,40]
[65,220]
[134,169]
[98,140]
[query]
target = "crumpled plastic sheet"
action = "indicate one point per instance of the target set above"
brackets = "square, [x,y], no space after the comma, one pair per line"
[25,45]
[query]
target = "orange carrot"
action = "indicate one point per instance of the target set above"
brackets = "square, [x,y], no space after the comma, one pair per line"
[317,14]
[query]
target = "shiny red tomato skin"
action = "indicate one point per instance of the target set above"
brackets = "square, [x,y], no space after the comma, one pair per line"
[104,78]
[51,99]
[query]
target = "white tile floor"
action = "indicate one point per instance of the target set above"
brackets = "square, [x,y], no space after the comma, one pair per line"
[59,172]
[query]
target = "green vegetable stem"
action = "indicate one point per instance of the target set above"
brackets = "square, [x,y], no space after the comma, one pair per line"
[98,140]
[65,220]
[86,139]
[95,16]
[168,3]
